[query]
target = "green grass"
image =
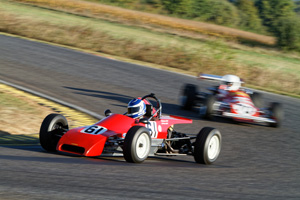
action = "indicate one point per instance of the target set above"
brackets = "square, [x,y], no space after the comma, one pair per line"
[266,60]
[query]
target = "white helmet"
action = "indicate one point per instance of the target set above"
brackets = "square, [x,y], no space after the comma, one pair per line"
[232,82]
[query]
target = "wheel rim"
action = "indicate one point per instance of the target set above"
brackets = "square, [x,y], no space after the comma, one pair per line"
[142,145]
[213,147]
[55,126]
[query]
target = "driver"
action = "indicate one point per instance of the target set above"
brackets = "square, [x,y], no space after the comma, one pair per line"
[136,108]
[229,84]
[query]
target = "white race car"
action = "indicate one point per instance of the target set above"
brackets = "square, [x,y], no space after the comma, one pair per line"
[230,100]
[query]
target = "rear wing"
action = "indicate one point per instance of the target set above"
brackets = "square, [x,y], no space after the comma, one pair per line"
[210,77]
[213,77]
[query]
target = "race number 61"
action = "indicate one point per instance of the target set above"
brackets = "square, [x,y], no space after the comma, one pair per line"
[94,130]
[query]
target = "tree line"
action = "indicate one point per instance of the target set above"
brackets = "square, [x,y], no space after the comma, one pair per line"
[279,18]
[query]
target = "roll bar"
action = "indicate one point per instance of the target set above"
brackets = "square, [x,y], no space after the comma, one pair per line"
[159,107]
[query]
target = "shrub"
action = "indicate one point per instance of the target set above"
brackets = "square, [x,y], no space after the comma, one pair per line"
[287,31]
[249,15]
[216,11]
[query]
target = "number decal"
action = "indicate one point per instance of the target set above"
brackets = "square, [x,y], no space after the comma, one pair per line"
[94,130]
[244,109]
[153,129]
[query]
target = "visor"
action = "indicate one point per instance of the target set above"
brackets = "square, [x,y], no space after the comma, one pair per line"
[133,110]
[229,83]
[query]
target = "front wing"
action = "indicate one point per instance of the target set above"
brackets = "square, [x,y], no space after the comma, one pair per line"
[247,117]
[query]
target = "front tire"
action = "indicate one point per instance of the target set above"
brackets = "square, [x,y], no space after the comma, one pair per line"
[51,130]
[137,144]
[276,111]
[207,146]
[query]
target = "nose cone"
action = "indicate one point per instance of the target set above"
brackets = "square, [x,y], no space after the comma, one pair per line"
[74,141]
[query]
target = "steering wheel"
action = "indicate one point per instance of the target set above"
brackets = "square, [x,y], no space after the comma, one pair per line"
[158,104]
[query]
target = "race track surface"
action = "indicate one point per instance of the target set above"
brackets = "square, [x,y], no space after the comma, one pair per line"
[256,161]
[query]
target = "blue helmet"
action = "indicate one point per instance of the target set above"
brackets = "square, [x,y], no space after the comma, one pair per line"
[136,108]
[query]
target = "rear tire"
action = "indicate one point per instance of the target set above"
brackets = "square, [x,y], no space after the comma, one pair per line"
[188,96]
[276,113]
[209,103]
[207,146]
[51,130]
[137,144]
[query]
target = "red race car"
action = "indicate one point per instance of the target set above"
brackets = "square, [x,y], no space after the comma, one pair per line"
[141,132]
[230,100]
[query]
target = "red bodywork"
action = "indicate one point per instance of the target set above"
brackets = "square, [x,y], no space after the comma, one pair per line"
[241,105]
[90,140]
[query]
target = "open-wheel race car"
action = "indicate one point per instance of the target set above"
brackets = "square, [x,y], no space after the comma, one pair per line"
[136,138]
[230,100]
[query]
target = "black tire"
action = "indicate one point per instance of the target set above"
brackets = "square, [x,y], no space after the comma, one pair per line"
[276,113]
[209,104]
[137,144]
[51,130]
[188,96]
[257,99]
[207,146]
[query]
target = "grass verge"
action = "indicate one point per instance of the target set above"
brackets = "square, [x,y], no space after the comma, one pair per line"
[22,113]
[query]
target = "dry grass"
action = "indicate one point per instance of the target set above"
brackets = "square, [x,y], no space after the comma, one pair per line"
[151,20]
[23,113]
[27,114]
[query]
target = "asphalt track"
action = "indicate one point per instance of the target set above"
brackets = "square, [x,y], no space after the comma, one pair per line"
[256,162]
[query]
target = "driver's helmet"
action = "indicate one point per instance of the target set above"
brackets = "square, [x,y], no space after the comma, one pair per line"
[231,82]
[136,108]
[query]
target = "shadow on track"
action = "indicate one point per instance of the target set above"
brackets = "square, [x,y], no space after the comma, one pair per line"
[101,94]
[10,139]
[37,154]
